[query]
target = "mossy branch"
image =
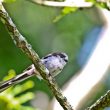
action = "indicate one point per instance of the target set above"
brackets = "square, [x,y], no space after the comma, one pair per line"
[22,43]
[101,103]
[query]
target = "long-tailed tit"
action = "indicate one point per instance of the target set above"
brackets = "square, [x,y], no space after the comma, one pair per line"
[54,62]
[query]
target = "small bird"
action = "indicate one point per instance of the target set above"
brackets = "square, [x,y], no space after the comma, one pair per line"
[53,62]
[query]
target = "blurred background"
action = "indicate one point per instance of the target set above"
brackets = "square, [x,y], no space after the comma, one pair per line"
[80,34]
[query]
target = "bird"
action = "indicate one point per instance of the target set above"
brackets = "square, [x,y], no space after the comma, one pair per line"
[53,62]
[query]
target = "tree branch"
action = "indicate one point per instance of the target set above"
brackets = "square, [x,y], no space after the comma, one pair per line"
[17,79]
[101,103]
[66,3]
[72,3]
[22,43]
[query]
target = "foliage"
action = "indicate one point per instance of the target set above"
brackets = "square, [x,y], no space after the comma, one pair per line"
[14,97]
[64,12]
[99,3]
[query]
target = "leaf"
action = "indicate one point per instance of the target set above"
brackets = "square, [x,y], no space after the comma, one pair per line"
[64,12]
[68,10]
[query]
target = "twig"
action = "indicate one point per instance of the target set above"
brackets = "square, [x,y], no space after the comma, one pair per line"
[22,43]
[61,4]
[17,79]
[101,103]
[72,3]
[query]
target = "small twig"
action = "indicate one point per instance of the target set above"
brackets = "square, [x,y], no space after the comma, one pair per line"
[22,43]
[73,3]
[101,103]
[61,4]
[17,79]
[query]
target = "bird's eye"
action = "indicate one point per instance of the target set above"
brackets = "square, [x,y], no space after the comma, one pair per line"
[65,60]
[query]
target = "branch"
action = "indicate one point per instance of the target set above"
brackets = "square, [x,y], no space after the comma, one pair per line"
[22,43]
[17,79]
[61,4]
[72,3]
[101,103]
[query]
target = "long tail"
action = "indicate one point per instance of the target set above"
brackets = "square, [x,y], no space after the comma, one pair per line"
[17,79]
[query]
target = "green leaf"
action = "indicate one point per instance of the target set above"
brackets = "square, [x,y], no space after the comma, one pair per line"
[103,5]
[10,100]
[68,10]
[64,12]
[100,3]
